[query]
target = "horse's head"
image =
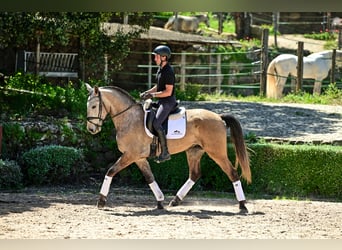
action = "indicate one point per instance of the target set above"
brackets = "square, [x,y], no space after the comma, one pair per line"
[206,20]
[96,112]
[203,18]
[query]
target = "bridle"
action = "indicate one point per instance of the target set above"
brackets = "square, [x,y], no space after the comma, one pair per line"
[98,117]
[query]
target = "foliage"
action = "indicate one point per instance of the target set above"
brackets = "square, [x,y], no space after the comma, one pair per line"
[330,96]
[13,137]
[301,170]
[21,30]
[190,93]
[53,164]
[29,93]
[321,36]
[11,176]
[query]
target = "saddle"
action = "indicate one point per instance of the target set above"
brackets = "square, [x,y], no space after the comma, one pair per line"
[174,127]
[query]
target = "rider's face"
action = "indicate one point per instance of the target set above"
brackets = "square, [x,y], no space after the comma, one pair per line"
[157,59]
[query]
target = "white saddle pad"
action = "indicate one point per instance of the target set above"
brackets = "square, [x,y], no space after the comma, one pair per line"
[176,128]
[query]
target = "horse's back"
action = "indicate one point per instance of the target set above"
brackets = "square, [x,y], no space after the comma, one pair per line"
[204,120]
[184,23]
[285,64]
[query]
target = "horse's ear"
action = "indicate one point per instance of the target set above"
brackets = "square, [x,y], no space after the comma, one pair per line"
[89,88]
[96,90]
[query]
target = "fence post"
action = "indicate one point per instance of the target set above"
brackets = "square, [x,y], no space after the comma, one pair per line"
[264,61]
[339,38]
[37,69]
[183,65]
[333,65]
[0,140]
[218,73]
[300,53]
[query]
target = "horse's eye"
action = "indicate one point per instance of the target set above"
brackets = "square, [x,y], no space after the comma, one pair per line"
[93,107]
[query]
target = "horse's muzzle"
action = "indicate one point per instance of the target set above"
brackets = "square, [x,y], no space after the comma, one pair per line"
[92,128]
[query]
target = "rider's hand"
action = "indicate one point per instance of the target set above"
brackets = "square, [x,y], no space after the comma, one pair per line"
[144,96]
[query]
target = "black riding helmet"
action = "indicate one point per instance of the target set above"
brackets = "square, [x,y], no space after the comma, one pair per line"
[162,50]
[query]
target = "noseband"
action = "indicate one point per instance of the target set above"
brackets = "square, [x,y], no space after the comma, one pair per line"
[98,117]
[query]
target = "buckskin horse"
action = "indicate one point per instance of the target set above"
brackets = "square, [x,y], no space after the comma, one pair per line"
[206,131]
[315,66]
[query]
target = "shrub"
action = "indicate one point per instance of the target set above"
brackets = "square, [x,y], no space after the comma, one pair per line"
[53,164]
[13,137]
[301,170]
[10,175]
[286,170]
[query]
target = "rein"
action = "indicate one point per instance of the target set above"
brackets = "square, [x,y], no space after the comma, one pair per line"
[98,117]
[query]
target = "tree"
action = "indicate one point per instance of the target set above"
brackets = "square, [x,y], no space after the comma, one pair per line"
[22,30]
[242,24]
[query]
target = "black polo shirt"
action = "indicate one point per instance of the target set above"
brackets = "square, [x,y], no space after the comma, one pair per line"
[165,76]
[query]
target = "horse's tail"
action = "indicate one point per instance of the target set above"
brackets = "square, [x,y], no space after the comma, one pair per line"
[271,81]
[242,156]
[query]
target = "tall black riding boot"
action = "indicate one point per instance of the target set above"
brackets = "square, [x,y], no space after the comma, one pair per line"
[165,155]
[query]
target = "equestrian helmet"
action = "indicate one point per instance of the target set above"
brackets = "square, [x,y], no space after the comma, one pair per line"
[162,50]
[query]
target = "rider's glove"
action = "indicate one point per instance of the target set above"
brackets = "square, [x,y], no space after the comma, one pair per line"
[144,96]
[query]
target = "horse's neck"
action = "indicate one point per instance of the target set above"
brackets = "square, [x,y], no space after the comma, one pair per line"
[117,104]
[201,18]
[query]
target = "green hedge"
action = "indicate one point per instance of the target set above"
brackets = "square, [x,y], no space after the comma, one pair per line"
[10,175]
[53,164]
[282,170]
[301,170]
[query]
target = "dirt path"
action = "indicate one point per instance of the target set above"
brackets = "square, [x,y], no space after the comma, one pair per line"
[290,41]
[131,214]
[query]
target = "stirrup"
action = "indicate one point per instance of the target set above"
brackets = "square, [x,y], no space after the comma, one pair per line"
[161,158]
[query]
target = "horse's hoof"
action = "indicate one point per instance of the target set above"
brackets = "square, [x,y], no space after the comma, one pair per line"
[243,211]
[101,202]
[175,202]
[243,208]
[160,205]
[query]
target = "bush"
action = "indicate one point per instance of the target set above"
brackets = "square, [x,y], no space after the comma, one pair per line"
[53,164]
[286,170]
[301,170]
[10,175]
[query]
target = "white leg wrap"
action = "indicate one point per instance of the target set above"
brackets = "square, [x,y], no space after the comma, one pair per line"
[240,196]
[182,192]
[156,191]
[106,185]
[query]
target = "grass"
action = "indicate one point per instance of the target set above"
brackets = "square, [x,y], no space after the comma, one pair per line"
[331,96]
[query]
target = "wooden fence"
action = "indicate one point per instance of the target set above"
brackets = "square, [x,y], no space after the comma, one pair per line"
[215,75]
[48,64]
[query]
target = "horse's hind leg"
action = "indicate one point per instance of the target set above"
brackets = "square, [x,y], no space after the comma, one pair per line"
[317,87]
[193,155]
[220,157]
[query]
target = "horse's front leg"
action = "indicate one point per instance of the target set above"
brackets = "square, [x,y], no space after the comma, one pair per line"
[120,164]
[145,168]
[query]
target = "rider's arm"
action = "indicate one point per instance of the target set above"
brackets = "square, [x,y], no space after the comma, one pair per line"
[165,93]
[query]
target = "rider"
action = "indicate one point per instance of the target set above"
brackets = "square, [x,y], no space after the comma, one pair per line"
[164,91]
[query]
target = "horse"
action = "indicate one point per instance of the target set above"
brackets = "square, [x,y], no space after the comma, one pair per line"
[188,24]
[315,66]
[206,131]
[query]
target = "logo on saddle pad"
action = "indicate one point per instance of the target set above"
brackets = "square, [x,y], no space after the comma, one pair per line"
[175,126]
